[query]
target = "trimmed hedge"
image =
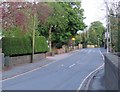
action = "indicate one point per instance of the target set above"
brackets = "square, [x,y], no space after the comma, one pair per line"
[40,44]
[23,45]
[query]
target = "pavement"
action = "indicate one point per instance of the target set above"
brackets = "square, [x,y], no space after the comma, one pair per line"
[56,72]
[97,82]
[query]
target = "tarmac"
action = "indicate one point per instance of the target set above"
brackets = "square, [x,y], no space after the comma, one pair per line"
[23,68]
[97,82]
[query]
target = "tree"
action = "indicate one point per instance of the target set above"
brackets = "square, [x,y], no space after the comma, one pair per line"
[65,20]
[95,33]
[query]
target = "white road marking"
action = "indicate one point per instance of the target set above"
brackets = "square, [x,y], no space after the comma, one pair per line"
[83,50]
[102,55]
[71,65]
[100,67]
[88,77]
[28,72]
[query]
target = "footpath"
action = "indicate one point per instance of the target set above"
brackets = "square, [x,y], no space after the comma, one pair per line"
[97,83]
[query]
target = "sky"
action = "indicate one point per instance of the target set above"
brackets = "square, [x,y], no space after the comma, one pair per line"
[94,10]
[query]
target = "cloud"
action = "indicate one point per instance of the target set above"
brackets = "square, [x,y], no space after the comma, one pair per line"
[93,10]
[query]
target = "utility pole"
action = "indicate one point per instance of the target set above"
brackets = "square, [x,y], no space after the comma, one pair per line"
[107,26]
[118,19]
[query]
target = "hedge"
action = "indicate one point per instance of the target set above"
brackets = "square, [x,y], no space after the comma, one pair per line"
[23,45]
[40,44]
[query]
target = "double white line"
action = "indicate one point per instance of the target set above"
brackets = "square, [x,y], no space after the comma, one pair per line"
[91,74]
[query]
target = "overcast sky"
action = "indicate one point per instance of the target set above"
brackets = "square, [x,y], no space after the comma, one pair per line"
[94,10]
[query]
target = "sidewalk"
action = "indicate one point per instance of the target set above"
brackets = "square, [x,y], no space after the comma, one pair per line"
[97,83]
[17,70]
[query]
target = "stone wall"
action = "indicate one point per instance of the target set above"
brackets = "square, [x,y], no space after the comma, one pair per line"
[112,72]
[38,57]
[16,60]
[1,61]
[19,60]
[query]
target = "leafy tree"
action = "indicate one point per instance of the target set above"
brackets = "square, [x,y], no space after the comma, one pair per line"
[65,20]
[95,33]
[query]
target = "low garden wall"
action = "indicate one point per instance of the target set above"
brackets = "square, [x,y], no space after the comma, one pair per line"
[17,50]
[62,50]
[17,60]
[112,72]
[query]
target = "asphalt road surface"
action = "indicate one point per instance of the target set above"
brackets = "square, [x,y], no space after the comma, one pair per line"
[64,74]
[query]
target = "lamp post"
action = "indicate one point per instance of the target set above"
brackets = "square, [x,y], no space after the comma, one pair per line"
[33,34]
[118,20]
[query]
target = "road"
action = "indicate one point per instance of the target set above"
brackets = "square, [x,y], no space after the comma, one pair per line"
[65,74]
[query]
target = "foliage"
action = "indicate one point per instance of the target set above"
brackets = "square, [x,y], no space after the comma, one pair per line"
[12,32]
[96,32]
[64,18]
[115,33]
[40,44]
[23,45]
[16,45]
[78,39]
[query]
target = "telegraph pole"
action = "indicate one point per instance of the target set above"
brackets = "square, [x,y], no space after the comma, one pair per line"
[107,26]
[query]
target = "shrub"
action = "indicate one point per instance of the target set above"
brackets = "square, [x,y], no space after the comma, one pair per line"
[13,32]
[40,44]
[16,45]
[23,45]
[59,45]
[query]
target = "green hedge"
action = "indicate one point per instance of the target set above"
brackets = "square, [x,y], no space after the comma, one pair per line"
[23,45]
[40,44]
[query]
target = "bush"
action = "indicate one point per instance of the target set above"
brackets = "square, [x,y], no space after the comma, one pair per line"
[16,45]
[59,45]
[40,44]
[23,45]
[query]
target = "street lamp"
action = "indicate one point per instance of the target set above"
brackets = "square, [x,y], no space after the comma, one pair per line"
[33,35]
